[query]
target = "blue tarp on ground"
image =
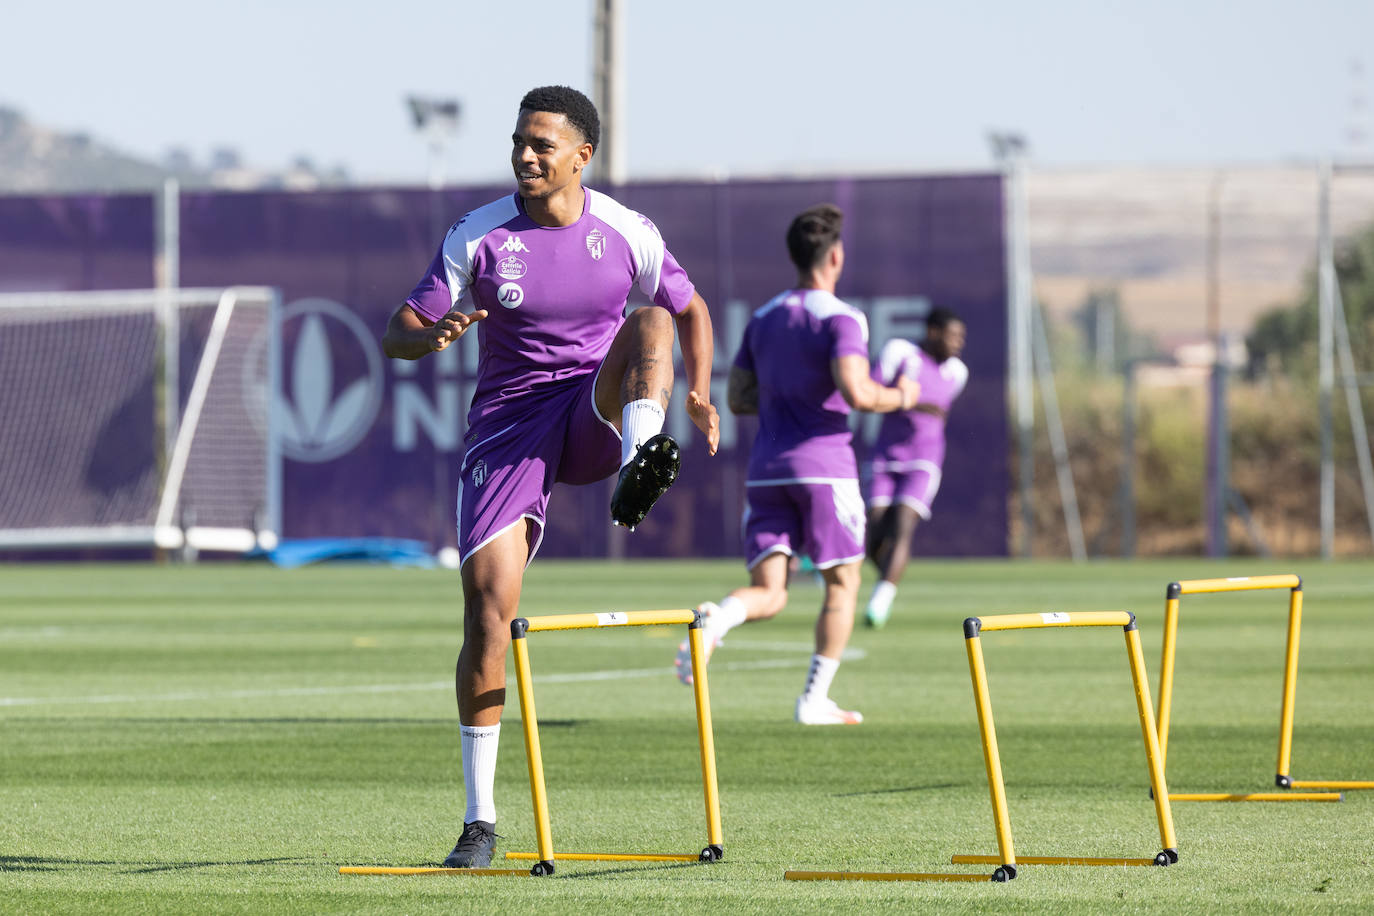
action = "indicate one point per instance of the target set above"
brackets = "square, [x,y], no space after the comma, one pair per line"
[303,551]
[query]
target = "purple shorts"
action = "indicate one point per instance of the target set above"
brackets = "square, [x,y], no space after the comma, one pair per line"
[825,521]
[511,464]
[914,486]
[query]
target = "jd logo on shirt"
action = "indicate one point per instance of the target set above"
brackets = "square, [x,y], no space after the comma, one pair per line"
[510,295]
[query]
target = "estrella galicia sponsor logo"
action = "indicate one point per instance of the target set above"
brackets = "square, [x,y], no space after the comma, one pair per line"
[332,380]
[511,268]
[510,295]
[479,473]
[513,244]
[596,244]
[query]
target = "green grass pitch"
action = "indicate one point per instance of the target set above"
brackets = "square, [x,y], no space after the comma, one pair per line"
[221,738]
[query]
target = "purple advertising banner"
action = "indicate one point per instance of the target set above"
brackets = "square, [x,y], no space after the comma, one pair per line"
[372,446]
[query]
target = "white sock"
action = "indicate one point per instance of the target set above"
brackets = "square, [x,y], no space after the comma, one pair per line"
[479,770]
[730,614]
[819,677]
[880,602]
[640,421]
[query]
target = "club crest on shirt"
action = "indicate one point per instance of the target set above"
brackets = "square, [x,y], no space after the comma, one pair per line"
[513,243]
[511,268]
[596,244]
[479,473]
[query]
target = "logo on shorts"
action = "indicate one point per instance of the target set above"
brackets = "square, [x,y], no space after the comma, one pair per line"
[510,295]
[513,244]
[596,244]
[479,473]
[511,268]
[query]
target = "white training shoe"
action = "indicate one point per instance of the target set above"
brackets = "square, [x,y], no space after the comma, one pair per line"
[825,712]
[710,641]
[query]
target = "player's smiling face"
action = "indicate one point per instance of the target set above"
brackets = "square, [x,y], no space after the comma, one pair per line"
[547,152]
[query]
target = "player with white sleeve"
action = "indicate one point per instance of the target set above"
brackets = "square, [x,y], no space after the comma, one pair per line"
[568,387]
[908,457]
[802,367]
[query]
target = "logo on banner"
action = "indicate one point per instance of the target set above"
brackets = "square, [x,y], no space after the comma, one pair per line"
[510,295]
[513,244]
[511,268]
[332,380]
[596,244]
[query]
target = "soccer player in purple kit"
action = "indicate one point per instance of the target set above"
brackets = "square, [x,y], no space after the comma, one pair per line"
[568,388]
[802,366]
[907,459]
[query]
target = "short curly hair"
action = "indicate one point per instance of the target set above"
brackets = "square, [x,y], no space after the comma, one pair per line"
[812,234]
[570,103]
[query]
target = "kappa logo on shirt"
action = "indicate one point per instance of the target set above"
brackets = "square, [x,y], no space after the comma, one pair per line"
[596,244]
[513,243]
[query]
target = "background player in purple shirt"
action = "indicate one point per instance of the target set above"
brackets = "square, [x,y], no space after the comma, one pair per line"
[568,388]
[904,469]
[802,366]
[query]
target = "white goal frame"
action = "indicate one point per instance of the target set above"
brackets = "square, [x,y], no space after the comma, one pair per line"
[170,528]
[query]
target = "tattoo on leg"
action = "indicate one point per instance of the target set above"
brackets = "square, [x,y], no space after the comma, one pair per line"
[638,384]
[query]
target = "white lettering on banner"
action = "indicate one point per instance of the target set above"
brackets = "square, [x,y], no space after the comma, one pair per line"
[441,418]
[437,409]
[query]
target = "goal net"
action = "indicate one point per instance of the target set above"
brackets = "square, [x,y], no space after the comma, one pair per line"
[137,418]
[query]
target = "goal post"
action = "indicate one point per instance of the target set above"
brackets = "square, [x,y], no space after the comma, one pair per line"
[139,418]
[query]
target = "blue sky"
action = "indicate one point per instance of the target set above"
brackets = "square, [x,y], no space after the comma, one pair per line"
[716,87]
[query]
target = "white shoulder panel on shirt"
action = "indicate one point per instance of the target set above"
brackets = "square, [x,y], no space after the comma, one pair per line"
[897,352]
[460,245]
[955,369]
[646,245]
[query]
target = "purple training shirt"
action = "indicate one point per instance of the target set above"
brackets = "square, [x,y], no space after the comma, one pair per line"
[908,436]
[555,296]
[789,345]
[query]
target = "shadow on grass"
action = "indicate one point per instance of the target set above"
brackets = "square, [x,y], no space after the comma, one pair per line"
[632,869]
[43,863]
[943,785]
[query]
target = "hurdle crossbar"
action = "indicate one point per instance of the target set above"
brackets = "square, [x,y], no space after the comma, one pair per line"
[1282,779]
[520,628]
[1006,860]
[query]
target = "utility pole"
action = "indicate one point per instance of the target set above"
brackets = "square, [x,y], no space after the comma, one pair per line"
[609,80]
[1008,149]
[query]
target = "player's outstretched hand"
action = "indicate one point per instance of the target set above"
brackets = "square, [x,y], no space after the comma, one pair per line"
[452,326]
[911,392]
[704,415]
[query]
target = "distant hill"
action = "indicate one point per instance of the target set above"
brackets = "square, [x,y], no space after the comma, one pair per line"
[34,159]
[1143,232]
[37,160]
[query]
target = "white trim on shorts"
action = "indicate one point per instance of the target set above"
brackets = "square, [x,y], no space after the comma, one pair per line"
[783,482]
[596,411]
[534,548]
[776,548]
[840,562]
